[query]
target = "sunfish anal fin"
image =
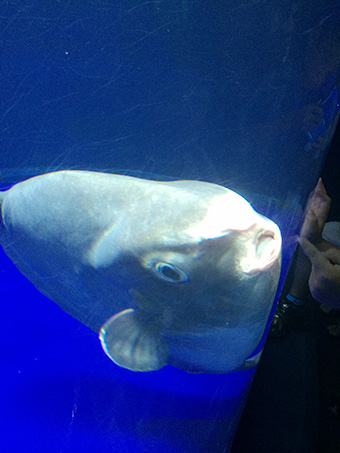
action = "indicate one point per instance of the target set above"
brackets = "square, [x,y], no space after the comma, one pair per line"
[133,342]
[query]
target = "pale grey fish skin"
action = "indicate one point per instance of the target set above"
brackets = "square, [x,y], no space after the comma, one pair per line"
[196,264]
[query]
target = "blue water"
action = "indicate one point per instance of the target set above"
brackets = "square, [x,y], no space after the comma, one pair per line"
[243,94]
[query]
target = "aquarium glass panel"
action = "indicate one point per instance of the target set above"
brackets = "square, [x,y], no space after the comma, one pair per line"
[136,301]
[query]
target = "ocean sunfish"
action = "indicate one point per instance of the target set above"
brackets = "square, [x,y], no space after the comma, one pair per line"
[181,273]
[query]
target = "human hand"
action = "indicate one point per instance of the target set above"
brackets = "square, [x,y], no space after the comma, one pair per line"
[324,280]
[317,210]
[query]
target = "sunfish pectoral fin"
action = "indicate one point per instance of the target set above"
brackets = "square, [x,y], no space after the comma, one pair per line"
[133,343]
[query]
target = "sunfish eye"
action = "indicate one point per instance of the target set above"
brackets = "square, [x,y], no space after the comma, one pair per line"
[170,273]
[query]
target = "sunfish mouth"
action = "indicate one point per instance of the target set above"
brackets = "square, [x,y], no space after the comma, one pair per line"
[267,246]
[264,251]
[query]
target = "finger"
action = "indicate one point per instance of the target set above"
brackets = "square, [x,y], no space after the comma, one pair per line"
[316,257]
[332,255]
[320,190]
[320,186]
[310,228]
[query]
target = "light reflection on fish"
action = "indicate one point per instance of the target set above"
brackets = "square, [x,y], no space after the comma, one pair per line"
[181,273]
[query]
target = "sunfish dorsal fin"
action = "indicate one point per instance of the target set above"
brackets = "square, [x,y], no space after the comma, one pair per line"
[132,342]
